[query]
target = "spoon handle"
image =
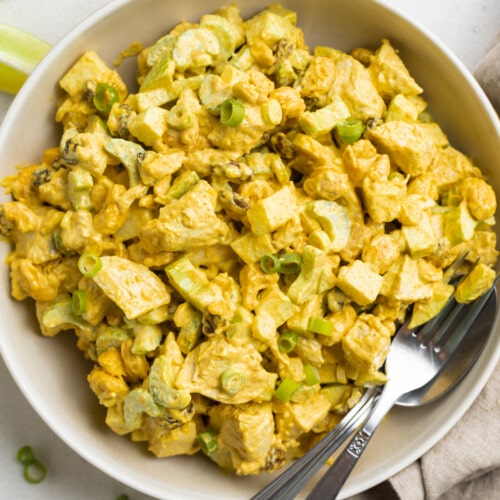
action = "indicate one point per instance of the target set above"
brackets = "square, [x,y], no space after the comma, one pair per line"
[331,483]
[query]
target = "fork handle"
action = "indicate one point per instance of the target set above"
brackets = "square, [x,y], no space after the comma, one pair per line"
[331,483]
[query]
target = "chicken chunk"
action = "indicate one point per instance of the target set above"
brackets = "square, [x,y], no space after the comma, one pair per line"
[187,223]
[245,435]
[216,370]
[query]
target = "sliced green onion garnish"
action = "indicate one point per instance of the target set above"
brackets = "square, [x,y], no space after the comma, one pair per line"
[25,455]
[58,240]
[232,380]
[123,496]
[320,325]
[286,389]
[312,375]
[34,472]
[89,264]
[232,112]
[105,96]
[208,441]
[290,263]
[270,264]
[78,302]
[350,130]
[287,342]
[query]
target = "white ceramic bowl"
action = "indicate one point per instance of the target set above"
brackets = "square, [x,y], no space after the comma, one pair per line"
[51,372]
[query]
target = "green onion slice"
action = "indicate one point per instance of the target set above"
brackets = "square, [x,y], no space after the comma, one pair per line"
[78,302]
[232,380]
[58,240]
[320,325]
[34,471]
[232,112]
[290,263]
[350,130]
[270,264]
[105,96]
[312,375]
[286,389]
[25,455]
[287,342]
[89,264]
[208,441]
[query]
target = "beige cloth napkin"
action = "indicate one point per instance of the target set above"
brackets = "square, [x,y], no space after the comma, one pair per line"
[465,464]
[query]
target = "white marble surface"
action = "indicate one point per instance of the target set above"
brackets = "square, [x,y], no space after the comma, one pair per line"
[467,27]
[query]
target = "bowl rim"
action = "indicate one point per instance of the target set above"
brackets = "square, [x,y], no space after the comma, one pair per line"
[476,379]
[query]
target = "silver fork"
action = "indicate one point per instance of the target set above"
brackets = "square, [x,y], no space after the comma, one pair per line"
[415,359]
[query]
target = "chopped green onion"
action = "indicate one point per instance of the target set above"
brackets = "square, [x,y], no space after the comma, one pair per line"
[58,240]
[182,184]
[207,441]
[34,472]
[270,264]
[89,264]
[105,96]
[287,342]
[232,112]
[290,263]
[78,302]
[123,496]
[286,389]
[320,325]
[350,130]
[232,381]
[312,375]
[25,455]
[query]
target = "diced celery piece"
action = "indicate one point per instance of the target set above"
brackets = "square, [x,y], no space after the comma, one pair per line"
[314,276]
[477,282]
[459,224]
[195,287]
[334,220]
[320,122]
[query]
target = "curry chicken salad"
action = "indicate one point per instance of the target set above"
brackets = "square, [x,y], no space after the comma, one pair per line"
[235,244]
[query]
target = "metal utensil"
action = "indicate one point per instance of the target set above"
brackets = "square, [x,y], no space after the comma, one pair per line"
[416,362]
